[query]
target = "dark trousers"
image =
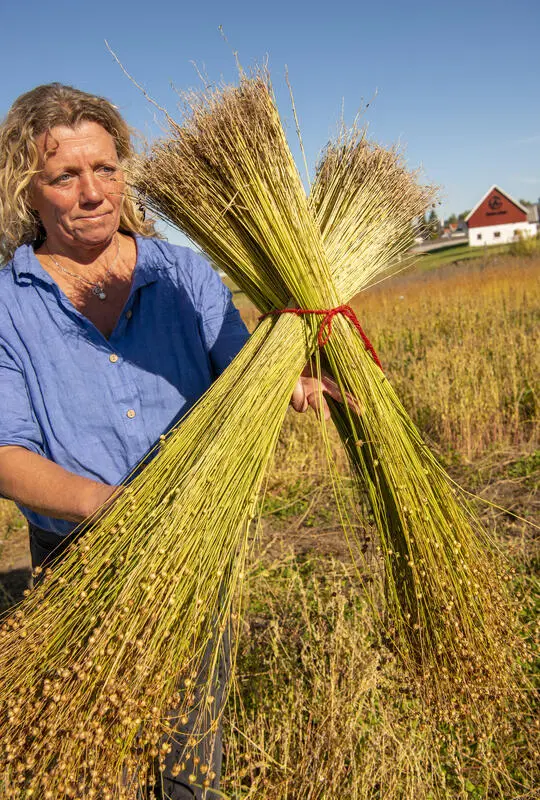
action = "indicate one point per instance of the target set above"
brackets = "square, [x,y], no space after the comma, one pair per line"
[45,549]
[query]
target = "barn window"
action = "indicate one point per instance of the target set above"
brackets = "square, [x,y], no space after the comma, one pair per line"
[478,235]
[497,235]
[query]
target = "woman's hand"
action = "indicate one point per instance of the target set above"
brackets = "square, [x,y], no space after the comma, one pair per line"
[102,498]
[307,392]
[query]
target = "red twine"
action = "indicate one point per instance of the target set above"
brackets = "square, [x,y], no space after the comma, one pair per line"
[325,329]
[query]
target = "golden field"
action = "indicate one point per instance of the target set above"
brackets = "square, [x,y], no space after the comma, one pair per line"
[320,709]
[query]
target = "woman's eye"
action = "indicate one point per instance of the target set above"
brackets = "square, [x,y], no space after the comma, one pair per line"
[62,178]
[108,171]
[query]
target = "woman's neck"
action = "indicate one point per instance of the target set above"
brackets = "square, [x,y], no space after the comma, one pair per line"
[80,255]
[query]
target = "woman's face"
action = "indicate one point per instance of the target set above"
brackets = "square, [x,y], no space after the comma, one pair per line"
[79,189]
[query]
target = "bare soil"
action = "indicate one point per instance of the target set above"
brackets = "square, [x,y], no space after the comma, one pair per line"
[15,571]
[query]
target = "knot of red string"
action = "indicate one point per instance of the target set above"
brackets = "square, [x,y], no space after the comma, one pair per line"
[325,329]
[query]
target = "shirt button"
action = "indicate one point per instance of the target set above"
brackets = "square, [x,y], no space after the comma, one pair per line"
[129,314]
[130,413]
[113,358]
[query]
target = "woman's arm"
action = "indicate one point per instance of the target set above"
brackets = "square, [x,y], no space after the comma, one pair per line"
[42,486]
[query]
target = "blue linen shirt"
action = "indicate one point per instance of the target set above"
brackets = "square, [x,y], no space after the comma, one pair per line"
[95,405]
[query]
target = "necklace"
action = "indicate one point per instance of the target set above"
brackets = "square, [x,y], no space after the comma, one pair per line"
[98,288]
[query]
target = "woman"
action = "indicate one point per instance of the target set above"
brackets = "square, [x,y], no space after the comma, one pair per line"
[107,334]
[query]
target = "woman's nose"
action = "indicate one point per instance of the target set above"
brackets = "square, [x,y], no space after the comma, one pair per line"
[91,190]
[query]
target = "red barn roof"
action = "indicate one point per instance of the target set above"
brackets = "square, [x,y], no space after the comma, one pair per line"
[496,208]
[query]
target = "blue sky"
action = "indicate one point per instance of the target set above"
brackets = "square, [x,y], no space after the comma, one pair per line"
[457,84]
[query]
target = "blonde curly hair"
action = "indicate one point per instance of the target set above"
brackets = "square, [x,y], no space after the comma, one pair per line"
[32,114]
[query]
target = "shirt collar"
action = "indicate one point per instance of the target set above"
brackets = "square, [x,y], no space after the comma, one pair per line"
[26,266]
[146,268]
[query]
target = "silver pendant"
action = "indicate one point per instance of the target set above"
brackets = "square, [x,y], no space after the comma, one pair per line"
[98,291]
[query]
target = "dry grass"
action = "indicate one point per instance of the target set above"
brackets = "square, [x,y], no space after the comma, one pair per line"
[464,353]
[322,711]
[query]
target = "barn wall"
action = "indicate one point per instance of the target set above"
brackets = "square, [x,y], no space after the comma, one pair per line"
[507,233]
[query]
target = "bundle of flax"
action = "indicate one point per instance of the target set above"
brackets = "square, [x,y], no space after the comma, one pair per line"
[104,657]
[226,177]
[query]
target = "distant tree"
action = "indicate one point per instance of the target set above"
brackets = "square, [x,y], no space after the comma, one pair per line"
[418,227]
[452,219]
[433,224]
[464,214]
[523,202]
[423,227]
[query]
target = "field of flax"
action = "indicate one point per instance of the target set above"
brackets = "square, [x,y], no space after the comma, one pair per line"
[320,709]
[462,347]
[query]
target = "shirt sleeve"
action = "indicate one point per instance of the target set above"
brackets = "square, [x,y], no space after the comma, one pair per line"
[224,332]
[17,422]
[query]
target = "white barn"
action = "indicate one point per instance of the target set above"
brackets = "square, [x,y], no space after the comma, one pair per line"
[498,219]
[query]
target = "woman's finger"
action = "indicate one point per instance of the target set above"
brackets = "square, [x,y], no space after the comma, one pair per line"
[298,400]
[317,402]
